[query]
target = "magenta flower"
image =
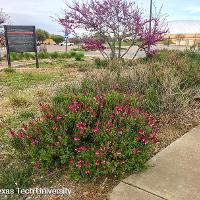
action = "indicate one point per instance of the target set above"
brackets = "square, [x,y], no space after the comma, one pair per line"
[56,143]
[87,171]
[95,130]
[74,106]
[76,138]
[71,161]
[21,135]
[85,164]
[145,141]
[78,165]
[25,127]
[118,109]
[141,132]
[98,153]
[97,162]
[34,142]
[59,117]
[81,126]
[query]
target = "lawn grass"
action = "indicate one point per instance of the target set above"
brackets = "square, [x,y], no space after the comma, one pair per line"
[25,79]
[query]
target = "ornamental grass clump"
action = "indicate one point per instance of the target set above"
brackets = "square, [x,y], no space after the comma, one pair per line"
[88,135]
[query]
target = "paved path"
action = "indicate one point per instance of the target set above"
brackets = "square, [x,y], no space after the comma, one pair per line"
[174,174]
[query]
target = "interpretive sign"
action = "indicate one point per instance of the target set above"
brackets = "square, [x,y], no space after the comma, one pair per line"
[20,39]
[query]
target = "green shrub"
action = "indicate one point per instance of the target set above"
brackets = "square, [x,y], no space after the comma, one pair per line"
[90,135]
[43,55]
[54,54]
[9,70]
[151,100]
[101,63]
[28,56]
[72,54]
[13,176]
[64,55]
[16,56]
[79,56]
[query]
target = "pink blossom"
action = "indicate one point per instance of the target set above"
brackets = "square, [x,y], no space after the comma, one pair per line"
[87,171]
[98,153]
[34,142]
[25,127]
[77,138]
[78,165]
[92,44]
[59,117]
[21,135]
[145,141]
[71,161]
[85,164]
[56,143]
[81,148]
[95,130]
[103,162]
[74,106]
[141,132]
[81,126]
[118,109]
[97,162]
[138,139]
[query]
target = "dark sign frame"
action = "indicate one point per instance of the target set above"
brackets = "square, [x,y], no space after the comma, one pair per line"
[20,39]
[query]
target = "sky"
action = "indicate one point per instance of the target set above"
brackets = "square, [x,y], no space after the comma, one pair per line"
[41,12]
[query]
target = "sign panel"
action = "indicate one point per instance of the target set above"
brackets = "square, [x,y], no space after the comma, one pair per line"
[21,38]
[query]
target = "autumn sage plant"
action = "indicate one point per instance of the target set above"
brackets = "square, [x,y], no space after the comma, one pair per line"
[88,135]
[111,22]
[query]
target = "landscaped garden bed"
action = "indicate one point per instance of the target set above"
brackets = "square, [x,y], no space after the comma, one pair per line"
[98,121]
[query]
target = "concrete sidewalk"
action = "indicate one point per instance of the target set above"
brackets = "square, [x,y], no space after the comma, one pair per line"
[174,174]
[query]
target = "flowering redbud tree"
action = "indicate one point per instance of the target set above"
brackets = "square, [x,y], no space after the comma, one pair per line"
[114,21]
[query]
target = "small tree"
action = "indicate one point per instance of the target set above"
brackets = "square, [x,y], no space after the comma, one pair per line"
[42,35]
[113,21]
[3,19]
[57,38]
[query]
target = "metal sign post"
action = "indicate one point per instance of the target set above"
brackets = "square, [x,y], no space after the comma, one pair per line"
[7,47]
[66,40]
[20,39]
[36,51]
[150,21]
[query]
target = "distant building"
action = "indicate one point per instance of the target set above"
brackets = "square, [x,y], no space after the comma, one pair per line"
[49,41]
[184,32]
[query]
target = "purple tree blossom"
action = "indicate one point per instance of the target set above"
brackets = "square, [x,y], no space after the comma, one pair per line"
[113,21]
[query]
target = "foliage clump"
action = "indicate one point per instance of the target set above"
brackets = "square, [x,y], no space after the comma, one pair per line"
[88,135]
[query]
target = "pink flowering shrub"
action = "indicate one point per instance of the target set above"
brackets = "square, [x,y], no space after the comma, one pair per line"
[88,135]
